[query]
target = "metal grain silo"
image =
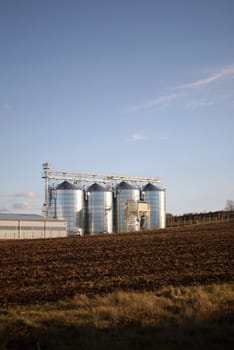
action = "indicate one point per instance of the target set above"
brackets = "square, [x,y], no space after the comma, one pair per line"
[99,209]
[69,203]
[156,197]
[124,193]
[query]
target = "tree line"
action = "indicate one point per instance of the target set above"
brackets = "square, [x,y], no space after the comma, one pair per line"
[201,218]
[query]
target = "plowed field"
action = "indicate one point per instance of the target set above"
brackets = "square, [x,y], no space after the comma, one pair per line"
[36,271]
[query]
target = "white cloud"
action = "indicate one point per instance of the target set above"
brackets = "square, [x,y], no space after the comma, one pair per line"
[137,137]
[24,201]
[27,195]
[21,202]
[21,205]
[6,106]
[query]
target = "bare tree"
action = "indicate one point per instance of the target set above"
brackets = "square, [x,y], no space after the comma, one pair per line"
[229,206]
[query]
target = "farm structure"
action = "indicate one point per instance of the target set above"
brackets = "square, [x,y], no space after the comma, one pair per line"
[97,203]
[26,226]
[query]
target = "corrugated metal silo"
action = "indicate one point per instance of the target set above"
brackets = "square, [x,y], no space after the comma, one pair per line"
[99,209]
[157,200]
[69,203]
[124,193]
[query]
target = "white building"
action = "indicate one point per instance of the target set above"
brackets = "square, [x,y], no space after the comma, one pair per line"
[27,226]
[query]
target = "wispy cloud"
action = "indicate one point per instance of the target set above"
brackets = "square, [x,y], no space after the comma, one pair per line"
[223,73]
[160,101]
[27,195]
[137,137]
[6,106]
[21,205]
[197,103]
[194,94]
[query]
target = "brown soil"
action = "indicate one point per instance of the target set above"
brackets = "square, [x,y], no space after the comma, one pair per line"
[36,271]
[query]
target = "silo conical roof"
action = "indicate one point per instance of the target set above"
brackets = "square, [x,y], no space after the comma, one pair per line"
[96,188]
[65,185]
[124,186]
[151,187]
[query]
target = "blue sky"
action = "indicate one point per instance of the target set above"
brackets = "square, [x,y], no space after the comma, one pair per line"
[135,87]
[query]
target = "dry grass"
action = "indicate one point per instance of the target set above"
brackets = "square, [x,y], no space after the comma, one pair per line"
[171,318]
[169,305]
